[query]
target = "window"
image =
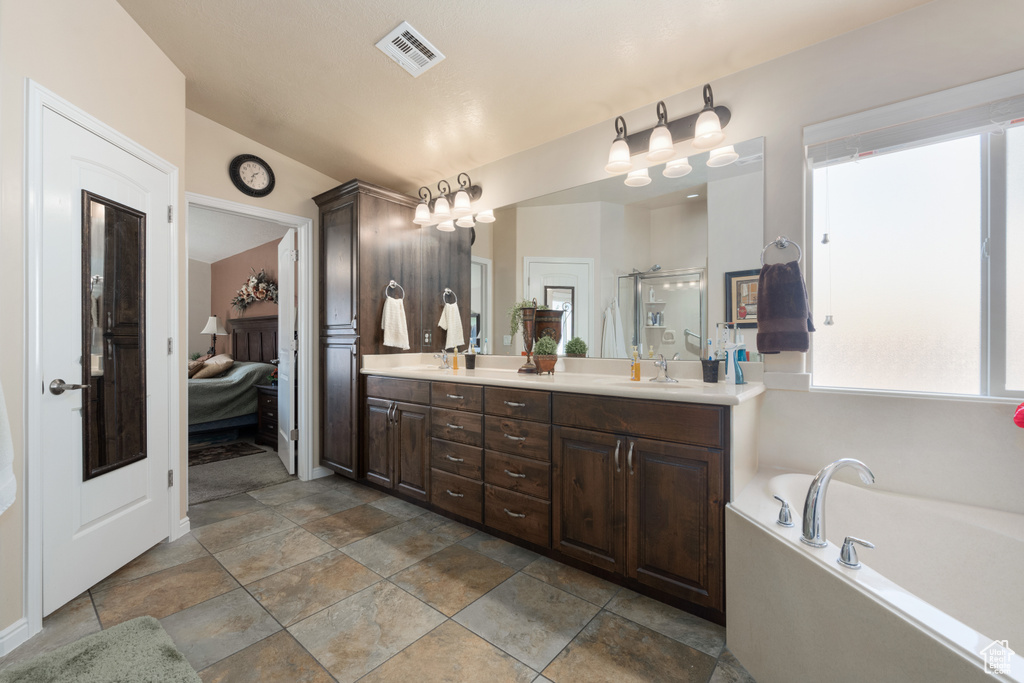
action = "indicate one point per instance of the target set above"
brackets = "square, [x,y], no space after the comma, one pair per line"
[922,270]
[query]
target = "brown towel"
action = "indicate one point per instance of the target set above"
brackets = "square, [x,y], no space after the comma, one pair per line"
[783,316]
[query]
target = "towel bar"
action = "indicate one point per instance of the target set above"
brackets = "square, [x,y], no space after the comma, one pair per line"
[782,243]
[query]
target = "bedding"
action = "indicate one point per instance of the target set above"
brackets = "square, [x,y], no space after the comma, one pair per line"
[230,395]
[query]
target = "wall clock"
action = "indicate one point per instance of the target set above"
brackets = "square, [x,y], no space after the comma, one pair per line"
[251,175]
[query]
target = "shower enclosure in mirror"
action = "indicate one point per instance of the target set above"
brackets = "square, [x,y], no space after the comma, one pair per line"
[663,312]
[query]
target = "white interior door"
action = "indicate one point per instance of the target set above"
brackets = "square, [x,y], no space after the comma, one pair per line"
[286,347]
[577,273]
[94,525]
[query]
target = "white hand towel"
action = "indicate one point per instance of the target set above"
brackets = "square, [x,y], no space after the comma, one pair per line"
[451,320]
[396,330]
[8,485]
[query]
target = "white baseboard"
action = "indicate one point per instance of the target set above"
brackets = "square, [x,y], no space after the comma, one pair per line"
[13,636]
[320,472]
[184,527]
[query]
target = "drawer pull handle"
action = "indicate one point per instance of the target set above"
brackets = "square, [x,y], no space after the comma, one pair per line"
[454,459]
[451,426]
[618,445]
[514,438]
[453,396]
[515,474]
[513,514]
[629,458]
[455,495]
[513,404]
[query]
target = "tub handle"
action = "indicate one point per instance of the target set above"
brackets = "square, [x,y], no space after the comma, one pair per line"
[848,555]
[785,515]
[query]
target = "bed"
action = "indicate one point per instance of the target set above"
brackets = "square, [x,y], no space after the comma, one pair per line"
[228,402]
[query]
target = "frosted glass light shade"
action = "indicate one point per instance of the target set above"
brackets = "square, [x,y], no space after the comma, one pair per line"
[466,222]
[446,226]
[422,216]
[638,178]
[708,131]
[485,216]
[214,326]
[677,168]
[618,157]
[441,210]
[461,206]
[661,148]
[723,156]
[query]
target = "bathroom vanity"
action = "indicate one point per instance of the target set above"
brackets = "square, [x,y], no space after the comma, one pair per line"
[626,479]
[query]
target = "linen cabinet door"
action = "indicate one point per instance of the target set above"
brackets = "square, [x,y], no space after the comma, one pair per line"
[676,520]
[378,439]
[339,407]
[410,428]
[588,497]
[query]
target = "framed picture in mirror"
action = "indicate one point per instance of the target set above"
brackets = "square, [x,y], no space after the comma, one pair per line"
[741,297]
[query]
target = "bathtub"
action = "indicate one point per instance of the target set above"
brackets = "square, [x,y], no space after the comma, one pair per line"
[944,581]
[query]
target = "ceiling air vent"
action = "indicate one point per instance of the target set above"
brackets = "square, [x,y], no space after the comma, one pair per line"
[410,49]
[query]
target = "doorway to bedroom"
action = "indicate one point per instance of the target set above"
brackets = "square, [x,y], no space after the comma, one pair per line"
[244,300]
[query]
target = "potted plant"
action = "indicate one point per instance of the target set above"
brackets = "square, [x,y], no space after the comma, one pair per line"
[576,348]
[515,313]
[545,354]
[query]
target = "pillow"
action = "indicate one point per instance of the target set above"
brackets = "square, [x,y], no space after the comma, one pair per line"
[211,369]
[194,366]
[220,358]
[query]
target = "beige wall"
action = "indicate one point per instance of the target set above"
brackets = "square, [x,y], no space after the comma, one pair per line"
[92,54]
[227,276]
[199,310]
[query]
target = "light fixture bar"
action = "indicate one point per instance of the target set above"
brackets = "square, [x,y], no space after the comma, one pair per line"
[681,129]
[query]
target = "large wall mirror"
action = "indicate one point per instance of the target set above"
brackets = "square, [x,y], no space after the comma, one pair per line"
[655,256]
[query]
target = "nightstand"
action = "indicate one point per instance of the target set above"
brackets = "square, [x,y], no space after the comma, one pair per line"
[266,415]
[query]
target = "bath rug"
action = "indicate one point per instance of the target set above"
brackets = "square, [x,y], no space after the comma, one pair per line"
[213,453]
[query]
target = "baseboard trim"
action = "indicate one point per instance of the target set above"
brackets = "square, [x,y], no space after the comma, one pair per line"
[184,527]
[13,636]
[320,472]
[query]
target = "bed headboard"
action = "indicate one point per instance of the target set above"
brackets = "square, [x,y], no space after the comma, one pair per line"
[254,339]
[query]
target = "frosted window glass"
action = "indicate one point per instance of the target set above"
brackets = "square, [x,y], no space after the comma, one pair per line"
[1015,259]
[905,280]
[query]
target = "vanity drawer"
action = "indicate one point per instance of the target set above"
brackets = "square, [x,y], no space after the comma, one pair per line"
[457,458]
[517,514]
[521,403]
[408,390]
[524,475]
[519,437]
[457,494]
[458,396]
[455,425]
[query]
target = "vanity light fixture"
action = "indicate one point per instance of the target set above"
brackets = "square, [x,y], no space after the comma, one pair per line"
[660,148]
[485,216]
[449,206]
[618,155]
[423,208]
[466,222]
[677,168]
[442,211]
[723,156]
[446,226]
[708,128]
[638,178]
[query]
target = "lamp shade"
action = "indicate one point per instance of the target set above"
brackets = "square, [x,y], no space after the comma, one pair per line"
[214,326]
[485,216]
[708,130]
[446,226]
[638,178]
[723,156]
[466,222]
[677,168]
[422,216]
[441,210]
[661,148]
[618,157]
[461,206]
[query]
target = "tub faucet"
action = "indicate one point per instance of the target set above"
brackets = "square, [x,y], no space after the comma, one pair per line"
[814,505]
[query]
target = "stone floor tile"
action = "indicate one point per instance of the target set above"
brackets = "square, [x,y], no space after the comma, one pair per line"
[351,525]
[688,629]
[395,549]
[257,559]
[278,494]
[398,507]
[452,578]
[307,588]
[452,654]
[528,619]
[74,620]
[729,670]
[581,584]
[161,556]
[317,506]
[238,530]
[218,628]
[273,659]
[616,650]
[221,509]
[164,592]
[497,549]
[358,634]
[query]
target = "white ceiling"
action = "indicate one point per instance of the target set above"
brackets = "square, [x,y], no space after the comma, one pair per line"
[304,77]
[215,235]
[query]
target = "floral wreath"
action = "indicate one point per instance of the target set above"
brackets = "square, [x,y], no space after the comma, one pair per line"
[259,287]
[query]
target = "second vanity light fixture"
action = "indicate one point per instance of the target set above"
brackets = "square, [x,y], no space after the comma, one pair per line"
[704,128]
[450,209]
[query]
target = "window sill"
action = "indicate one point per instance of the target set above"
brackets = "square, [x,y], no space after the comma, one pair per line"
[960,398]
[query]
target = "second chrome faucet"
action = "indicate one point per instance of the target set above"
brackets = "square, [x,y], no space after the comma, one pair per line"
[814,505]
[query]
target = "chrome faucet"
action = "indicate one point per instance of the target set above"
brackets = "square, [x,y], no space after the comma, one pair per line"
[444,360]
[662,366]
[814,505]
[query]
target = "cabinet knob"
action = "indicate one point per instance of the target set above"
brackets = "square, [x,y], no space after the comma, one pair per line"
[454,459]
[455,495]
[513,514]
[515,474]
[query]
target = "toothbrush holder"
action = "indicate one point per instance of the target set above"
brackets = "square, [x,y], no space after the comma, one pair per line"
[710,368]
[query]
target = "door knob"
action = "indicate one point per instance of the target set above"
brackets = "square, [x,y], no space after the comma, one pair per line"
[59,386]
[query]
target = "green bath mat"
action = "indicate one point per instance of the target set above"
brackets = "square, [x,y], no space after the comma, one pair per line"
[137,651]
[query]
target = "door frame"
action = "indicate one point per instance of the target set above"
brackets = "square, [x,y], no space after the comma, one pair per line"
[37,100]
[566,260]
[306,319]
[488,298]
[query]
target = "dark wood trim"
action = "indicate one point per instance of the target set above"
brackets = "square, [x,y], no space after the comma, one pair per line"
[364,187]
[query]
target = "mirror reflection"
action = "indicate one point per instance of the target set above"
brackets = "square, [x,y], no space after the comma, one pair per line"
[641,266]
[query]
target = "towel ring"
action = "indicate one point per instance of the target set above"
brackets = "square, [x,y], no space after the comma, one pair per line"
[446,293]
[392,285]
[782,243]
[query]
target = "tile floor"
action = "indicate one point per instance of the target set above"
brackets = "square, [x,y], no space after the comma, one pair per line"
[332,581]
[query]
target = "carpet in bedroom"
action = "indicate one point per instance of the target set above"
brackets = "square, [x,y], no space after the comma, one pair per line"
[203,455]
[230,477]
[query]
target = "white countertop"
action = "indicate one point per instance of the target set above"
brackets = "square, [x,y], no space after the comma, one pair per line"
[685,391]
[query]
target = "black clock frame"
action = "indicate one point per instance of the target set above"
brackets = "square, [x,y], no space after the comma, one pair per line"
[236,177]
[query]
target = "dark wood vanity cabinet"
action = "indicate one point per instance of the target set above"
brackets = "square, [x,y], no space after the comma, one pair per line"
[397,436]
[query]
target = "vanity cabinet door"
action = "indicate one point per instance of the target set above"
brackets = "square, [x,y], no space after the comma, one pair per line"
[339,407]
[378,441]
[410,428]
[676,519]
[588,497]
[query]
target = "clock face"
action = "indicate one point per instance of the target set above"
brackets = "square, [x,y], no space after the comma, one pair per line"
[251,175]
